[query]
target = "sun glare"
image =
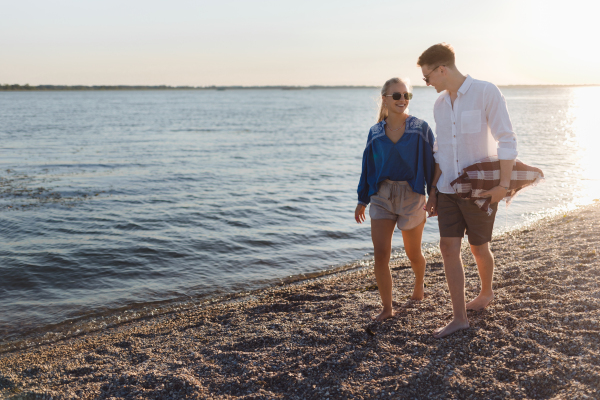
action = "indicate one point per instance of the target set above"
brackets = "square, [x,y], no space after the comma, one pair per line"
[559,45]
[585,140]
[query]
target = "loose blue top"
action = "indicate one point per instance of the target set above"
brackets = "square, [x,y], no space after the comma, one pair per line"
[410,159]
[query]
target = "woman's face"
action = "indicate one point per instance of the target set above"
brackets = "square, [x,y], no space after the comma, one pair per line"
[396,106]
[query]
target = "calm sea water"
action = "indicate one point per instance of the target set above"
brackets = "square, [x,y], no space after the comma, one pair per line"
[120,200]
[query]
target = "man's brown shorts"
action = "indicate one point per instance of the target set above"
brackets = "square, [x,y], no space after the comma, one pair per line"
[456,215]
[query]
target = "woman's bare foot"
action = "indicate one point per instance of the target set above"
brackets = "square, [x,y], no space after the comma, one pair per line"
[385,314]
[480,302]
[418,292]
[450,328]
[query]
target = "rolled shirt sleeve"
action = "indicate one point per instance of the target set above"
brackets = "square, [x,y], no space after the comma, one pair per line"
[499,123]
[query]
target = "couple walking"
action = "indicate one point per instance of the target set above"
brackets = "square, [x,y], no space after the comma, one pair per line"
[402,159]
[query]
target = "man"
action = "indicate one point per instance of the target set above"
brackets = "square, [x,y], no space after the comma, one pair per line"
[472,123]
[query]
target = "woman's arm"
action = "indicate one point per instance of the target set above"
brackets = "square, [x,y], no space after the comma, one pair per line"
[431,206]
[363,185]
[367,168]
[363,190]
[429,158]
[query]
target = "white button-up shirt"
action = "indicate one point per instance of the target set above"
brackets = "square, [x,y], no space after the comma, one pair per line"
[476,127]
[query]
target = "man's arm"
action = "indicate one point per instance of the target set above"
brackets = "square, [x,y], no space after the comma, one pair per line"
[499,122]
[501,128]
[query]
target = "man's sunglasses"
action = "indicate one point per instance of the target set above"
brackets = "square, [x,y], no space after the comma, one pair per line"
[426,79]
[398,96]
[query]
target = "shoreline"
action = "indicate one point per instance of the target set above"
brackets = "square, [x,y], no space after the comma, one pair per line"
[96,320]
[313,338]
[110,318]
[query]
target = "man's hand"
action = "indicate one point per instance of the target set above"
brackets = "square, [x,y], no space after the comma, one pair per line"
[359,213]
[496,194]
[499,191]
[431,206]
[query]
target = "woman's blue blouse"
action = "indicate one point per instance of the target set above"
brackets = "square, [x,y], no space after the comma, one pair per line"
[410,159]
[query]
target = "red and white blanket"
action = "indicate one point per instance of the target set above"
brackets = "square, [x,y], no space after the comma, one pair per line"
[485,175]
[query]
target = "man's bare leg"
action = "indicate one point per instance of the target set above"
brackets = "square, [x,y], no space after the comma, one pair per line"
[455,276]
[382,231]
[412,246]
[485,265]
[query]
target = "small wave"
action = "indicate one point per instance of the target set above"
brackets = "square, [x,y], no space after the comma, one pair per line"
[335,234]
[130,226]
[258,243]
[238,224]
[195,130]
[290,208]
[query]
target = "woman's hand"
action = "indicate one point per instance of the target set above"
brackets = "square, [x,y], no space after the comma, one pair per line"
[431,206]
[359,213]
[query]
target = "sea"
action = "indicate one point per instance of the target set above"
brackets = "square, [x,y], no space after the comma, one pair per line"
[116,205]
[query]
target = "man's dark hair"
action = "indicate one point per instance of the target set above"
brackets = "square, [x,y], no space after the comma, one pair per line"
[438,54]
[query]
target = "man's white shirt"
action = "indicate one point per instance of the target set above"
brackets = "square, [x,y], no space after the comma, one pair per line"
[476,127]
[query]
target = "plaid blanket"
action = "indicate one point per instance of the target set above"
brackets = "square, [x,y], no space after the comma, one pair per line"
[485,175]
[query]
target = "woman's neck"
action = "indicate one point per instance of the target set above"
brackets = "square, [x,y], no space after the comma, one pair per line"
[395,120]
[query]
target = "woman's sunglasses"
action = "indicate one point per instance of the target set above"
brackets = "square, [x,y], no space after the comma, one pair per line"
[398,96]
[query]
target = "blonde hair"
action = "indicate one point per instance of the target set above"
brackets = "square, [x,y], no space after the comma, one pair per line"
[383,112]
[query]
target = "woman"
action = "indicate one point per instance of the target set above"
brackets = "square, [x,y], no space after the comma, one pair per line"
[397,164]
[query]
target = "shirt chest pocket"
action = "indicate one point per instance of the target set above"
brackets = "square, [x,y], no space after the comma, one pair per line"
[470,121]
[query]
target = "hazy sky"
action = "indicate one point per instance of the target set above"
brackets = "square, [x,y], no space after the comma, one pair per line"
[323,42]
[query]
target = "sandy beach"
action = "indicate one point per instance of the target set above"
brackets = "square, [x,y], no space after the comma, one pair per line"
[538,339]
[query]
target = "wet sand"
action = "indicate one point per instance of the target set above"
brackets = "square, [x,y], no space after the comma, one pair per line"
[538,339]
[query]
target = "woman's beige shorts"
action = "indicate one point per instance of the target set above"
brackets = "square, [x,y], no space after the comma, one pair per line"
[396,200]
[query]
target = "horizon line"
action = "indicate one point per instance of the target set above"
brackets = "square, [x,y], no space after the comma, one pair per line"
[27,87]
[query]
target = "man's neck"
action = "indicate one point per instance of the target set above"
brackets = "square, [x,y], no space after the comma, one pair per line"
[455,81]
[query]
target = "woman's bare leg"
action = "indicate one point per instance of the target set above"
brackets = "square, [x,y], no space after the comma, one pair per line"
[412,246]
[382,231]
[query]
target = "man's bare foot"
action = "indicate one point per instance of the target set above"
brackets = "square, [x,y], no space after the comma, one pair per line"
[450,329]
[480,302]
[418,292]
[385,314]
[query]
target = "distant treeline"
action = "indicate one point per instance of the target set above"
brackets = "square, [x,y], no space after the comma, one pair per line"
[7,87]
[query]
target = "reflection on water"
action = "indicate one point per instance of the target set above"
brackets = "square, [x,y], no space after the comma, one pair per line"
[582,140]
[555,133]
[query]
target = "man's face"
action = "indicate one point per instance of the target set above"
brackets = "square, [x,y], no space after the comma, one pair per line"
[432,74]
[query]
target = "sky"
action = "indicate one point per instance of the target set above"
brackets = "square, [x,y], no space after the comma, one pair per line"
[309,42]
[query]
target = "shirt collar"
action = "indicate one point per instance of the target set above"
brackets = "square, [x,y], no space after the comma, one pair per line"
[466,85]
[461,90]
